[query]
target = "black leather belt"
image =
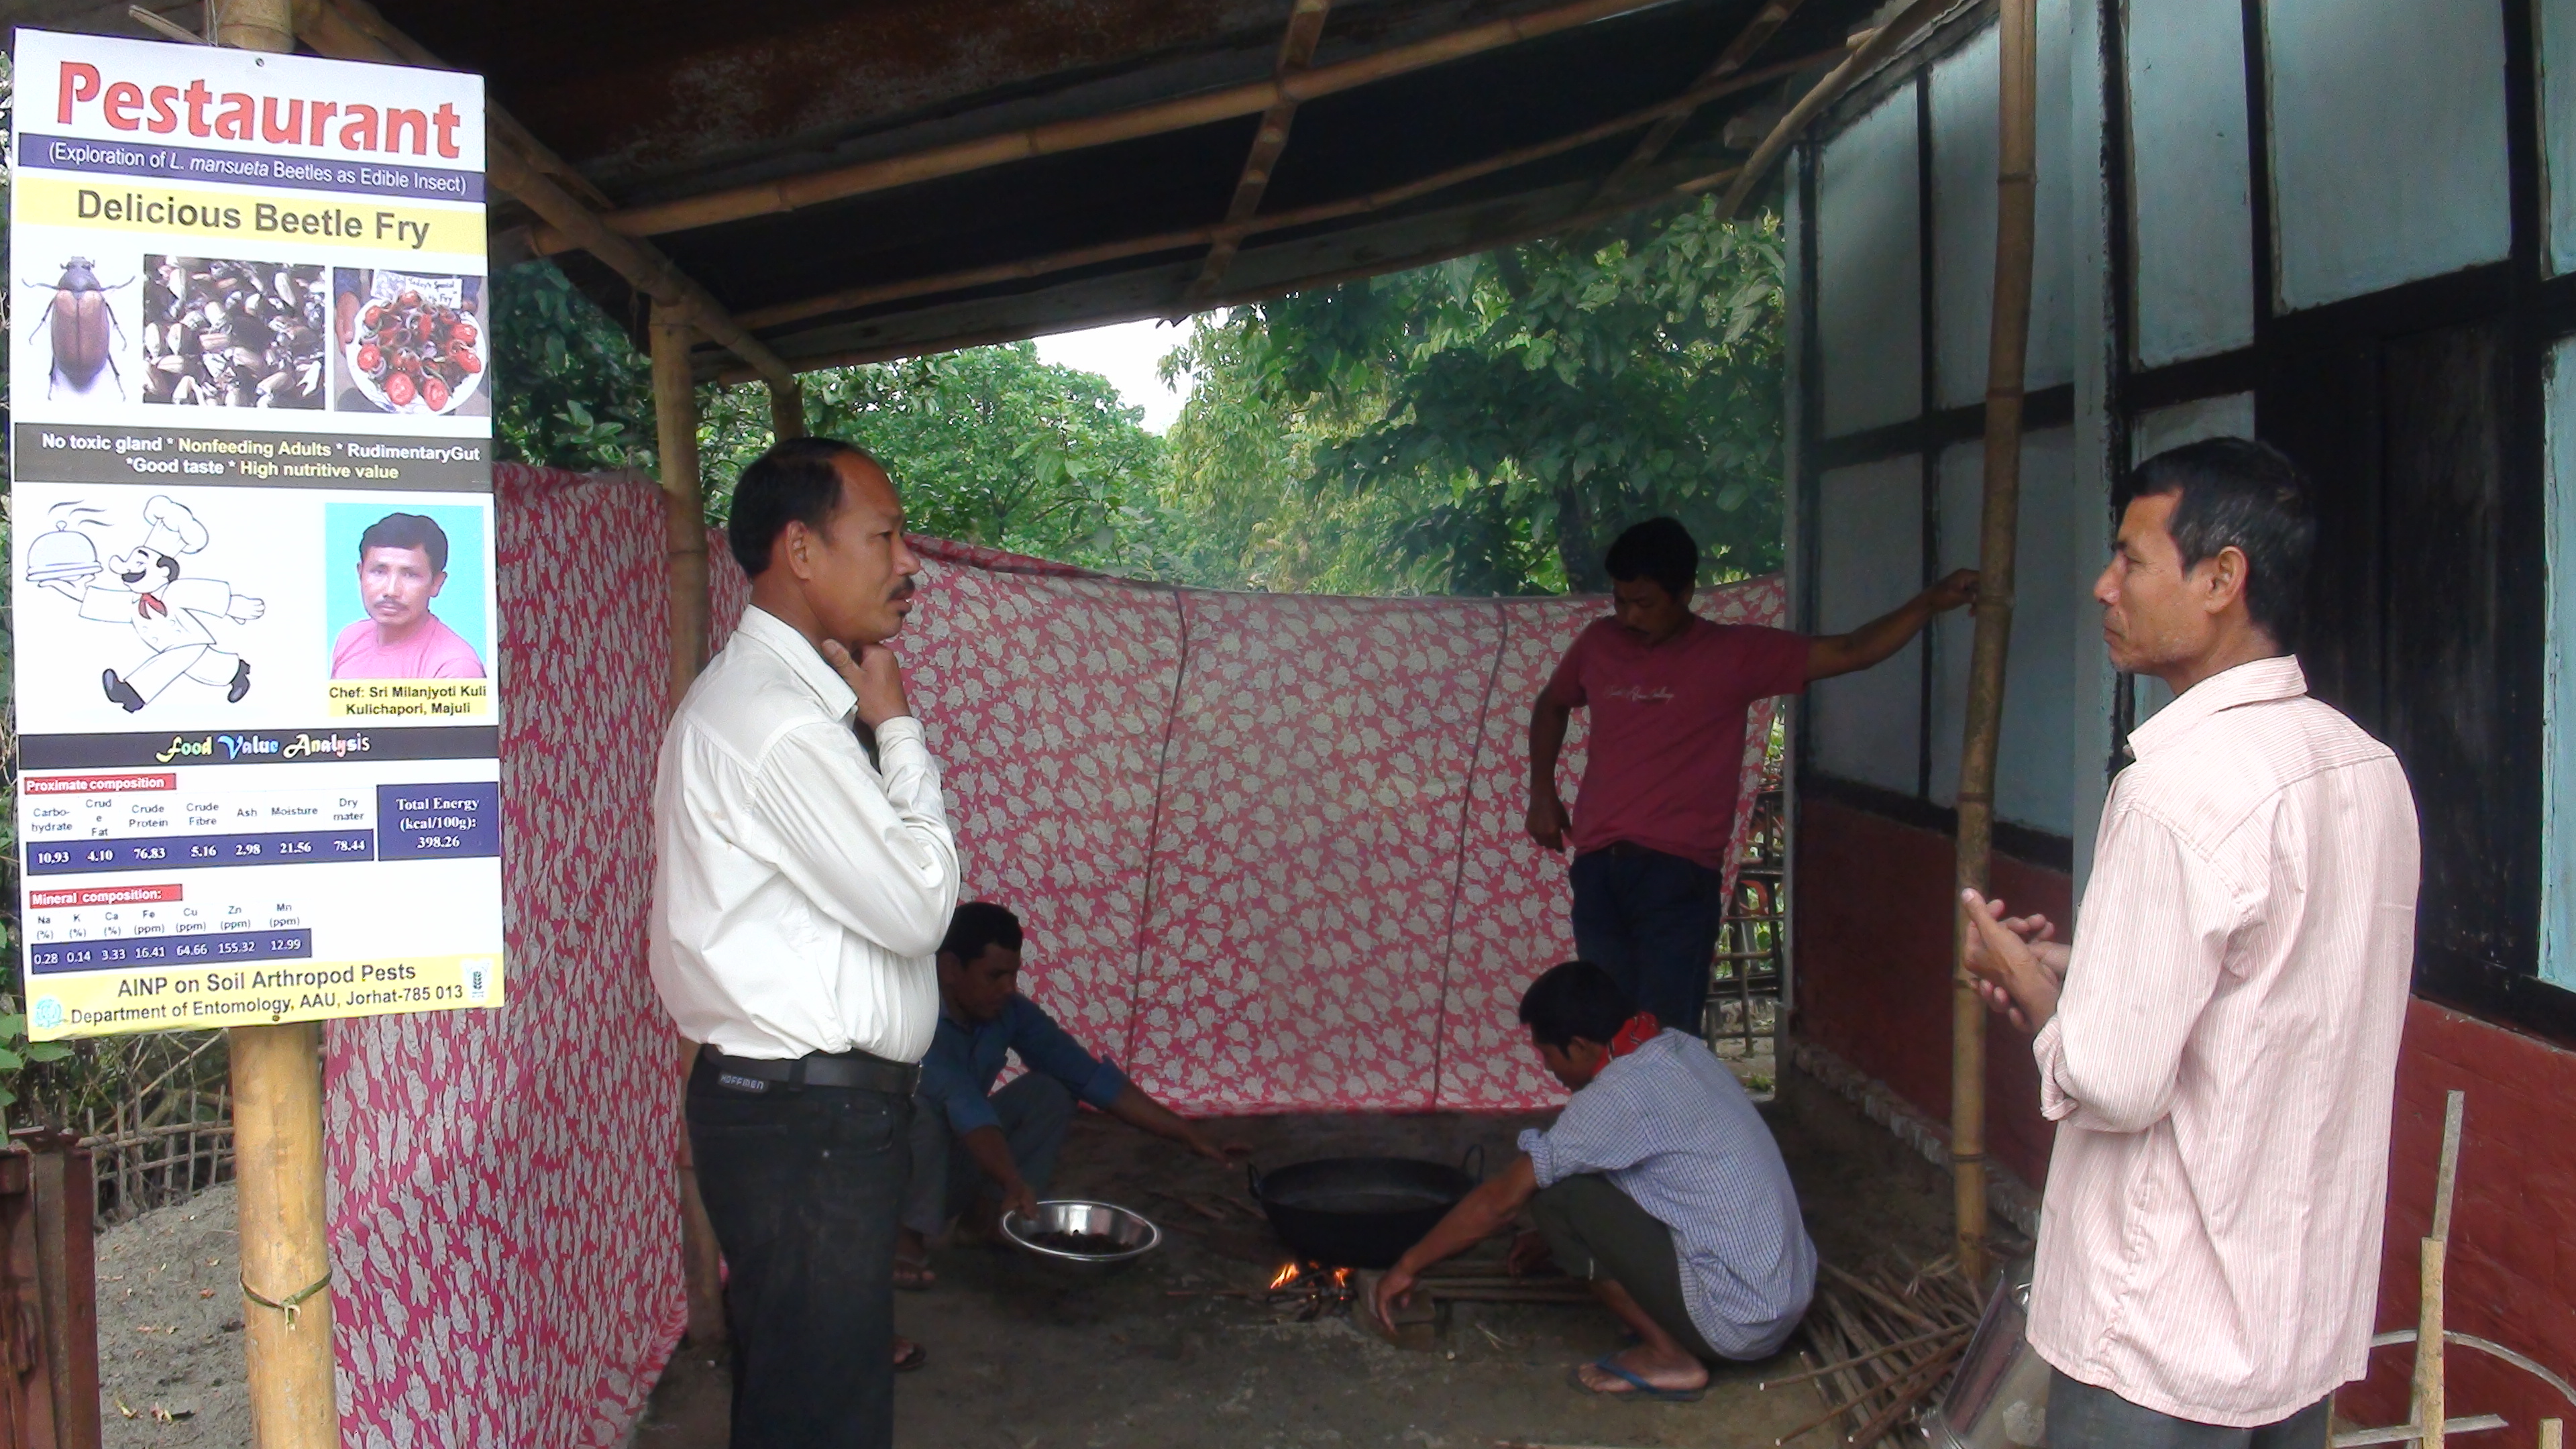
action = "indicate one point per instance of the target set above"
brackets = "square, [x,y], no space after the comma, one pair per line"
[1629,850]
[852,1069]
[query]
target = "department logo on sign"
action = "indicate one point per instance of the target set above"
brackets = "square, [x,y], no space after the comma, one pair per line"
[48,1013]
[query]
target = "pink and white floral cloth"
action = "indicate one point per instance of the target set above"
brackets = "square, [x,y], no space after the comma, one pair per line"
[1268,849]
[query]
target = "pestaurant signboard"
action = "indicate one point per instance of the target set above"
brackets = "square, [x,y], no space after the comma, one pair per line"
[251,549]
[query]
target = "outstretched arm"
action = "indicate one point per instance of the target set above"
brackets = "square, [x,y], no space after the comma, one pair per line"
[1136,1109]
[1478,1216]
[1873,642]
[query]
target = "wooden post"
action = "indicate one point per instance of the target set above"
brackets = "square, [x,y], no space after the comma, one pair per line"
[285,1258]
[684,512]
[2429,1406]
[684,509]
[277,1119]
[786,411]
[267,25]
[2007,344]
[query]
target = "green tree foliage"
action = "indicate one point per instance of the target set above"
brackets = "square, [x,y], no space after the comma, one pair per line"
[1487,425]
[570,389]
[991,447]
[1482,426]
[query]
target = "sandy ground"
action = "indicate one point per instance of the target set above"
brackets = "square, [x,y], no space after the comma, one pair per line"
[169,1328]
[1024,1360]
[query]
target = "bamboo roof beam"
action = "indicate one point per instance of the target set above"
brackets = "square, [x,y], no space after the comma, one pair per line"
[354,24]
[790,193]
[1764,24]
[520,165]
[1296,53]
[853,298]
[1865,57]
[856,357]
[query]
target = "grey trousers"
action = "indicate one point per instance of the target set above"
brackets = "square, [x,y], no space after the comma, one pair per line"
[2085,1416]
[1596,1231]
[1036,1113]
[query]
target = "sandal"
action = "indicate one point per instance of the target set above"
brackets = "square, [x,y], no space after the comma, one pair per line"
[913,1275]
[909,1354]
[1637,1388]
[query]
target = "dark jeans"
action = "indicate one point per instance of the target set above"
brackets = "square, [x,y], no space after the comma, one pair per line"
[1595,1231]
[1036,1113]
[2082,1416]
[1651,920]
[803,1187]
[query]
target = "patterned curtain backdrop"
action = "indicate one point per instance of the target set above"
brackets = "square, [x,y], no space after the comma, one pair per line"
[505,1231]
[1268,847]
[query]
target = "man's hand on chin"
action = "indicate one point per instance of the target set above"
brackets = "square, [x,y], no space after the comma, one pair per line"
[875,676]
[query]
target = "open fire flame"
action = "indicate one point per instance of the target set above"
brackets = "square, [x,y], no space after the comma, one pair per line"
[1291,1274]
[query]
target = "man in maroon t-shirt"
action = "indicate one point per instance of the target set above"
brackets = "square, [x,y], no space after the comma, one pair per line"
[1668,692]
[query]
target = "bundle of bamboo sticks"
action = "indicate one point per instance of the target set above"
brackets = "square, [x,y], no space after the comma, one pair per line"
[1885,1340]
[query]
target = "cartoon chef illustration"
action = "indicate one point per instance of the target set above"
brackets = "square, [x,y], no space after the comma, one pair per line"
[144,588]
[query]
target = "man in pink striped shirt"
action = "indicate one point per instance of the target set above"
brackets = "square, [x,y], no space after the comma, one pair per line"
[2219,1047]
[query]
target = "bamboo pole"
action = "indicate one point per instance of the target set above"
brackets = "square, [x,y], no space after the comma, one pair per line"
[2007,346]
[786,408]
[277,1121]
[1159,118]
[684,512]
[852,298]
[285,1257]
[266,25]
[1881,44]
[2429,1387]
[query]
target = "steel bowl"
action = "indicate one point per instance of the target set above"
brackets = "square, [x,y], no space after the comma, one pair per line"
[1134,1233]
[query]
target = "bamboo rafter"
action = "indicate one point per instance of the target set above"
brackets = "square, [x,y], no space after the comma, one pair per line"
[1296,53]
[1018,332]
[517,163]
[1765,22]
[1880,44]
[852,298]
[766,198]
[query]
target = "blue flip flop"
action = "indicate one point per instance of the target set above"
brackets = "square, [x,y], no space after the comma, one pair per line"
[1639,1388]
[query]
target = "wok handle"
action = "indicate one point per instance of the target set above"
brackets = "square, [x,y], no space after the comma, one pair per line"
[1476,1152]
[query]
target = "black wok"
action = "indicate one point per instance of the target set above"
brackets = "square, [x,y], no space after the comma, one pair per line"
[1361,1212]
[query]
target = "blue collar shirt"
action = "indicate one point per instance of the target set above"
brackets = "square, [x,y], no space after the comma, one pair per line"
[965,1058]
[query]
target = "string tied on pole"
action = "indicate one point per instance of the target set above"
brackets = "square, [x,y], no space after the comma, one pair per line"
[293,1303]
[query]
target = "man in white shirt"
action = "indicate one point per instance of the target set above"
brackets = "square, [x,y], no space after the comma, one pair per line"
[2219,1048]
[800,893]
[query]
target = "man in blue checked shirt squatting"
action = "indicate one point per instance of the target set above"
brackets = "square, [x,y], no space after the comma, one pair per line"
[1659,1185]
[1010,1138]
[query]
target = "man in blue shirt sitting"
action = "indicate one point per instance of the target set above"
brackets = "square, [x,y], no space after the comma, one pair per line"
[1011,1138]
[1659,1185]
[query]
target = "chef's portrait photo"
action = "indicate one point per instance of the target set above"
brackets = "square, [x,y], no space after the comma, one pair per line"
[406,594]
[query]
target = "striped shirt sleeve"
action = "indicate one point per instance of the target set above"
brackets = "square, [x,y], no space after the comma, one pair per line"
[2158,916]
